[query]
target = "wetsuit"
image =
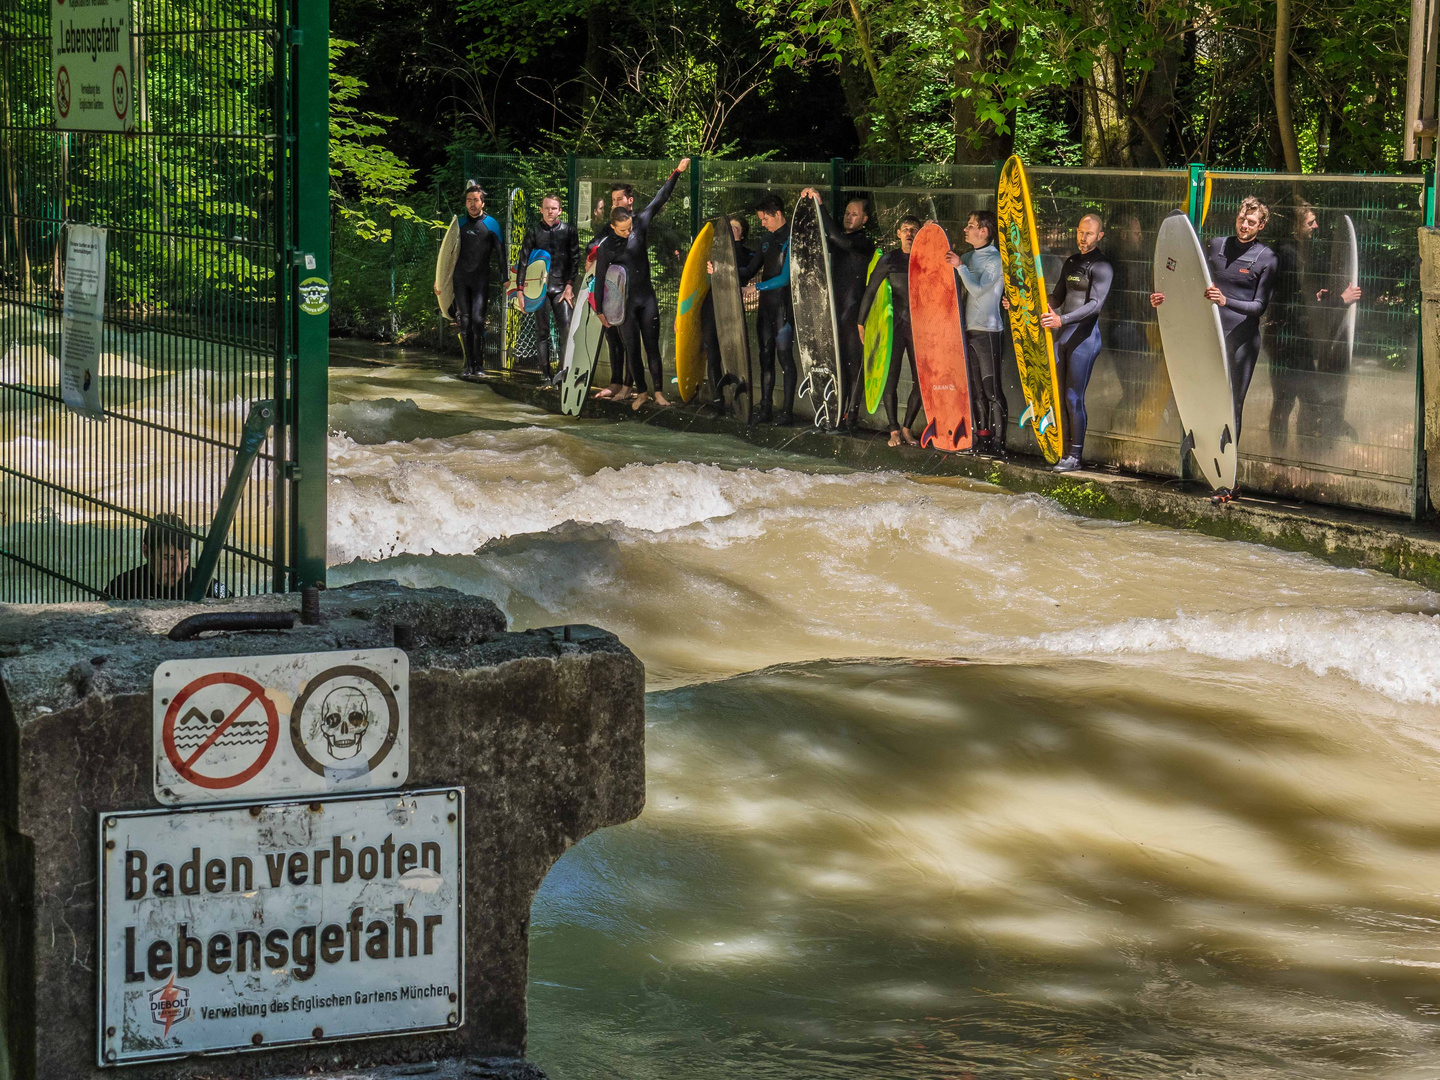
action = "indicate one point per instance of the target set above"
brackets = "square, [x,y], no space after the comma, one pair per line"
[479,242]
[614,344]
[1245,274]
[895,266]
[982,276]
[850,254]
[1079,294]
[140,584]
[563,243]
[641,327]
[775,326]
[710,334]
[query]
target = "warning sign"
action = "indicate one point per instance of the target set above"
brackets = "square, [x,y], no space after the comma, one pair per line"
[279,726]
[90,64]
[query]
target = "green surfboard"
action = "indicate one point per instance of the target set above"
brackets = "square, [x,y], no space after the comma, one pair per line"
[879,332]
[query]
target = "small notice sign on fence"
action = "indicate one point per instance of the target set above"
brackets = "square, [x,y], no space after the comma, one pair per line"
[83,324]
[243,928]
[248,727]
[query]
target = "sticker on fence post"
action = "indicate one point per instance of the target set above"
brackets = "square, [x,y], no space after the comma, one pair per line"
[83,324]
[279,726]
[91,83]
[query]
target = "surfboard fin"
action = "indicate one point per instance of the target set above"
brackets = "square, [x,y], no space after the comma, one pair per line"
[1026,416]
[1187,444]
[1046,422]
[927,437]
[1225,438]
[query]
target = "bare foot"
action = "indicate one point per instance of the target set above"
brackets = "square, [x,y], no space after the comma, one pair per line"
[640,399]
[894,438]
[910,440]
[625,394]
[661,399]
[609,391]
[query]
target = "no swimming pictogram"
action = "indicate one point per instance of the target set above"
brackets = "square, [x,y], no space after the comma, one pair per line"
[220,730]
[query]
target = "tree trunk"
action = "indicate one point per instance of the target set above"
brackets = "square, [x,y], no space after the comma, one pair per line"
[889,121]
[855,84]
[1155,108]
[1283,118]
[1105,135]
[592,71]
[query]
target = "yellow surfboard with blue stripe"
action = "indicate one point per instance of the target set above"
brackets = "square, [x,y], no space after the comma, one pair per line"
[694,287]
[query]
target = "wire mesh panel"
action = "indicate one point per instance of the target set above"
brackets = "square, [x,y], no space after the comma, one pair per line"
[1132,419]
[1330,415]
[199,217]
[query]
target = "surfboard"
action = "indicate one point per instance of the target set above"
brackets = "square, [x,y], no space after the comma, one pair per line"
[694,287]
[817,338]
[537,276]
[1346,272]
[938,326]
[582,347]
[445,267]
[1194,346]
[1025,289]
[615,288]
[730,328]
[514,240]
[879,337]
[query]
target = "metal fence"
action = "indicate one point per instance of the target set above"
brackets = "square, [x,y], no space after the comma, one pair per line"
[1315,428]
[216,211]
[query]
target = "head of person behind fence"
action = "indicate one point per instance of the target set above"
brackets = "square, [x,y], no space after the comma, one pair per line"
[165,572]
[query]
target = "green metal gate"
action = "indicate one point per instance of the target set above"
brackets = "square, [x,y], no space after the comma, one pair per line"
[216,210]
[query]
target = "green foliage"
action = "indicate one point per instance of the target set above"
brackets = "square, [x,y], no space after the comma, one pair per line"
[1086,498]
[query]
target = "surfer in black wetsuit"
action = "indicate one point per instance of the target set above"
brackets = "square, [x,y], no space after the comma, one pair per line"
[1243,271]
[894,266]
[622,197]
[1074,320]
[709,332]
[850,252]
[479,242]
[775,326]
[629,246]
[561,240]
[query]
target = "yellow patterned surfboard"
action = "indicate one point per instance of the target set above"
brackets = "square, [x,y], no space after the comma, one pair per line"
[1025,289]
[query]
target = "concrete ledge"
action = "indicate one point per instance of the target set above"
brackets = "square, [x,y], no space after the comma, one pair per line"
[544,729]
[1346,538]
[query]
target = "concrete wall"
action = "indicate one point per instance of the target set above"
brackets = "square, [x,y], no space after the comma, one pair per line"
[546,735]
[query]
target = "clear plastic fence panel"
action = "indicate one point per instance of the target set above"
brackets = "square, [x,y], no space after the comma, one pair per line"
[1132,421]
[1326,420]
[670,235]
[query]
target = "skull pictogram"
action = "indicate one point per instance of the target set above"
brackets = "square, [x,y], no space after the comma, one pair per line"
[344,719]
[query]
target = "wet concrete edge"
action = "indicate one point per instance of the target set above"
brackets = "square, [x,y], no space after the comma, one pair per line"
[1345,538]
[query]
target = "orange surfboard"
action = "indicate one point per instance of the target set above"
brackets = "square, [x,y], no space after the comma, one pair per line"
[939,331]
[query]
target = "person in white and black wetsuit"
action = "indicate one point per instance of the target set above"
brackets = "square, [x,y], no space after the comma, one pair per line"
[775,325]
[479,243]
[557,304]
[1074,320]
[851,250]
[982,277]
[629,246]
[894,266]
[709,332]
[1243,271]
[622,383]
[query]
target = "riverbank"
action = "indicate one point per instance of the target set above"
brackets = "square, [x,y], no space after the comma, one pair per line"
[1347,538]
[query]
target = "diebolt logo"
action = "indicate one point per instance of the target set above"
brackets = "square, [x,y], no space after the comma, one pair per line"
[1169,264]
[169,1005]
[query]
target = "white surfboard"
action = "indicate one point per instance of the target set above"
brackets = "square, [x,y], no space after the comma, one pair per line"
[445,267]
[582,349]
[1348,257]
[1195,351]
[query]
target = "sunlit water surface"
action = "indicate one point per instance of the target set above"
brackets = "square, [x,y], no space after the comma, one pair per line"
[941,781]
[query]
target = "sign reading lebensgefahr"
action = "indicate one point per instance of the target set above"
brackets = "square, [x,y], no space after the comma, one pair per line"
[90,65]
[240,928]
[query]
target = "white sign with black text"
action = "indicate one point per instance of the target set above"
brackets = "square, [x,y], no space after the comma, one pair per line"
[253,727]
[83,325]
[241,928]
[91,87]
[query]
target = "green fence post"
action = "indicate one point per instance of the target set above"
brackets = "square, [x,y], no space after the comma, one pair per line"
[311,178]
[1197,194]
[257,428]
[695,167]
[837,172]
